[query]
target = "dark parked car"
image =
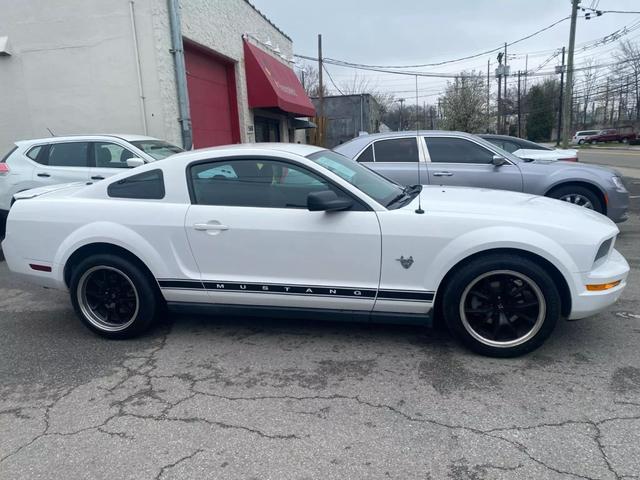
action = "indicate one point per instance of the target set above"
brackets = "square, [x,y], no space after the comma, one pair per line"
[612,135]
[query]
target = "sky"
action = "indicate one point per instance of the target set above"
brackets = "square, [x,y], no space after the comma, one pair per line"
[405,32]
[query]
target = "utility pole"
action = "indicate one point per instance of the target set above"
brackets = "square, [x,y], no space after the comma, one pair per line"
[519,109]
[488,89]
[320,95]
[526,73]
[498,129]
[401,100]
[561,99]
[606,104]
[568,94]
[504,96]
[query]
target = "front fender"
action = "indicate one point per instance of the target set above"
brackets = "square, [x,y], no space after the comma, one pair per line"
[112,233]
[485,239]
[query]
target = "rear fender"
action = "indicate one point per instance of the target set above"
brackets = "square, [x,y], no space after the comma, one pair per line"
[112,233]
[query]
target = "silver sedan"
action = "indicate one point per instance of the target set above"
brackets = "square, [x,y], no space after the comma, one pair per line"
[456,158]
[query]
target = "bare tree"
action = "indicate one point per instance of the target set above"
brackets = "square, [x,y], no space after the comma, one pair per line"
[630,54]
[589,82]
[464,103]
[310,81]
[359,84]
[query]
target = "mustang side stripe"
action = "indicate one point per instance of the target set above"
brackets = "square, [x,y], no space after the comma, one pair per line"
[310,290]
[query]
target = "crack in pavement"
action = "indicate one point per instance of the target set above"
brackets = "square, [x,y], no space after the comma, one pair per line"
[177,462]
[148,365]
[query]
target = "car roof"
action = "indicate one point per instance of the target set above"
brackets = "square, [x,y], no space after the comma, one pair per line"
[125,136]
[295,148]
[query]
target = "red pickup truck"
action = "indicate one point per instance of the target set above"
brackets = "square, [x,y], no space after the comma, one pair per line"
[612,135]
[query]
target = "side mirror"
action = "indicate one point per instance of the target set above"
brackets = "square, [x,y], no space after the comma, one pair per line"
[327,201]
[498,160]
[134,162]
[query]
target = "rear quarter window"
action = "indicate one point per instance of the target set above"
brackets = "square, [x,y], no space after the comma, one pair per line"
[147,185]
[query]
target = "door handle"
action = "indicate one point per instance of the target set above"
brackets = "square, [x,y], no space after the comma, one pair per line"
[97,177]
[210,226]
[43,175]
[442,174]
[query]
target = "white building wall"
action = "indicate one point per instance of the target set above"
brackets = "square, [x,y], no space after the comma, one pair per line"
[73,67]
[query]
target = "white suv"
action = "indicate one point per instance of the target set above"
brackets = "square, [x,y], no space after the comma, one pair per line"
[54,160]
[581,137]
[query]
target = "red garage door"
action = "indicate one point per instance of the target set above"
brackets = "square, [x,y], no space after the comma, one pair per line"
[212,98]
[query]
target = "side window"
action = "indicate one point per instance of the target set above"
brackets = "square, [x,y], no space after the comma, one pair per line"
[147,185]
[255,183]
[110,155]
[397,150]
[457,150]
[366,155]
[510,147]
[72,154]
[34,152]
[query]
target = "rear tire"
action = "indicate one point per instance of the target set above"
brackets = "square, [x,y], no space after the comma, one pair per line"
[593,142]
[113,296]
[578,195]
[501,305]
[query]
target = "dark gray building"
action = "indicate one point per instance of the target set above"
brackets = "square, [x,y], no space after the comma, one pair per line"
[347,116]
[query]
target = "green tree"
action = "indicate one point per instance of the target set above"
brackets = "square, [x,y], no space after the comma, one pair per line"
[541,106]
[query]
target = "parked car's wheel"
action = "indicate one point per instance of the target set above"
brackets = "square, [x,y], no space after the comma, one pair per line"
[501,305]
[593,142]
[580,142]
[578,195]
[624,140]
[113,296]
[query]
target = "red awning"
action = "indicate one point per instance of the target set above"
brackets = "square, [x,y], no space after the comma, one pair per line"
[270,83]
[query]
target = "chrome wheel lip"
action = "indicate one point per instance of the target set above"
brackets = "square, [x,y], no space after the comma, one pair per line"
[89,313]
[577,199]
[511,343]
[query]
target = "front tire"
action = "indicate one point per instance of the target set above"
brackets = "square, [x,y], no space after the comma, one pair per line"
[578,195]
[501,305]
[113,296]
[580,142]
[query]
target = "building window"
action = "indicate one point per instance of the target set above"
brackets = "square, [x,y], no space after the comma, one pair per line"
[267,129]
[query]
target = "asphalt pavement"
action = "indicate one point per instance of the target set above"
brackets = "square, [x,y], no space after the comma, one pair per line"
[625,159]
[274,399]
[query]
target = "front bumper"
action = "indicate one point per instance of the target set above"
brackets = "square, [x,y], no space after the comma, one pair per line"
[617,205]
[586,303]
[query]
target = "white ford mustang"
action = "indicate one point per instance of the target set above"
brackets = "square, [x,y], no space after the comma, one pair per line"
[298,229]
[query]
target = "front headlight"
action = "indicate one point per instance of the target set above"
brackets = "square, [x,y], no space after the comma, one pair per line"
[617,181]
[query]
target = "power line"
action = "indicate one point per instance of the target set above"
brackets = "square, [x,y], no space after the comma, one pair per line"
[486,52]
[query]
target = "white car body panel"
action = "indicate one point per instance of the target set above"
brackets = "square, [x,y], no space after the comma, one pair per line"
[336,261]
[546,155]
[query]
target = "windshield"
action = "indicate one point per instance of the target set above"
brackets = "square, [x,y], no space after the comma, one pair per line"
[157,148]
[376,186]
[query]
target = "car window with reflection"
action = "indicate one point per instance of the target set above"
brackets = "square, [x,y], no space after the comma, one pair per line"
[157,149]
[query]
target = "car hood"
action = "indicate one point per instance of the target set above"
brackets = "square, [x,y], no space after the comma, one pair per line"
[510,207]
[569,170]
